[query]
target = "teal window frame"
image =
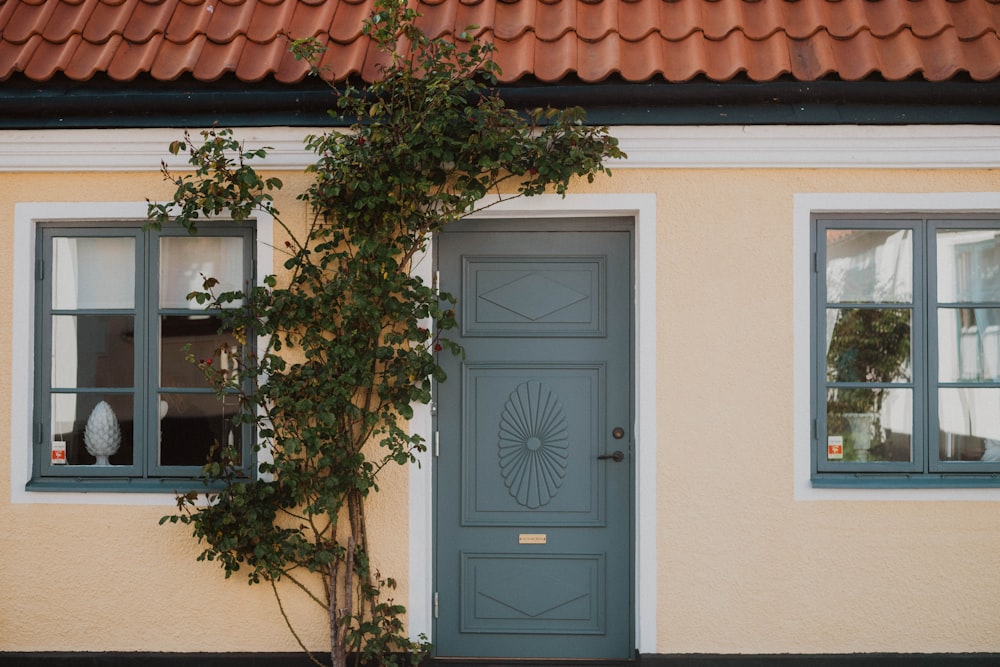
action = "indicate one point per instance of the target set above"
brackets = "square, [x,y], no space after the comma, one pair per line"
[926,468]
[145,473]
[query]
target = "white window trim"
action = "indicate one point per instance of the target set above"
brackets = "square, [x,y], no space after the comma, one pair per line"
[805,206]
[642,207]
[27,215]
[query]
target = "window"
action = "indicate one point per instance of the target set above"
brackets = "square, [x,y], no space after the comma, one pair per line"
[906,351]
[117,404]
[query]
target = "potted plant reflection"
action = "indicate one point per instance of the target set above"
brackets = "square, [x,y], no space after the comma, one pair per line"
[869,278]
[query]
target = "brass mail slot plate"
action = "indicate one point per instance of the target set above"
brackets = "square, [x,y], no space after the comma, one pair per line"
[532,538]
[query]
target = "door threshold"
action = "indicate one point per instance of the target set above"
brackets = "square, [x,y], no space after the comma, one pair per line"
[529,662]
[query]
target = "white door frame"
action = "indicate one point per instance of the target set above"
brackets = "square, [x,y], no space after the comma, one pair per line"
[641,207]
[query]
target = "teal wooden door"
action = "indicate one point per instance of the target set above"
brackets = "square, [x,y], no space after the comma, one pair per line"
[533,473]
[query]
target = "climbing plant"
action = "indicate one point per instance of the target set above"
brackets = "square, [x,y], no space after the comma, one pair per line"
[348,337]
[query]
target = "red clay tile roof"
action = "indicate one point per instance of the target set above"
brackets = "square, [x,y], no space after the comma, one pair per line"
[549,40]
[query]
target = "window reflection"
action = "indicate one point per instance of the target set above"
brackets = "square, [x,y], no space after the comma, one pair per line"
[869,266]
[968,265]
[968,344]
[969,424]
[194,426]
[93,351]
[93,273]
[189,339]
[185,262]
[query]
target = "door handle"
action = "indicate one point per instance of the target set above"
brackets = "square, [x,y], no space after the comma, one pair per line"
[617,457]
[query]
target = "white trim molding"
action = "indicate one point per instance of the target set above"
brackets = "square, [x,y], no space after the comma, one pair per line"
[812,146]
[715,146]
[805,206]
[642,208]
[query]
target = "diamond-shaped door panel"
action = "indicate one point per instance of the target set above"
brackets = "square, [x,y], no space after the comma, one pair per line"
[506,592]
[534,296]
[541,297]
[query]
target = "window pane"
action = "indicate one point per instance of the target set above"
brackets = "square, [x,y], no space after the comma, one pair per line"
[185,262]
[195,335]
[968,344]
[869,425]
[93,351]
[869,266]
[108,435]
[968,265]
[191,424]
[868,344]
[969,424]
[93,273]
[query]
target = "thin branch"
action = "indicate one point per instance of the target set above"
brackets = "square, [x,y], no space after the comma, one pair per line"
[291,628]
[304,588]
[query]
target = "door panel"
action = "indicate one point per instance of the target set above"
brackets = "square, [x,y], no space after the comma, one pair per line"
[540,594]
[529,430]
[534,531]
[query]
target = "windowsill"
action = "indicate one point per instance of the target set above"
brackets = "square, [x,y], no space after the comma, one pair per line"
[903,481]
[172,486]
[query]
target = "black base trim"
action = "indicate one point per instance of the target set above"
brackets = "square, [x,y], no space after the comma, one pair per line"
[125,659]
[551,662]
[822,660]
[144,659]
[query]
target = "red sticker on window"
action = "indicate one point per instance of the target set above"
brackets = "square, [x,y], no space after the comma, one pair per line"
[835,448]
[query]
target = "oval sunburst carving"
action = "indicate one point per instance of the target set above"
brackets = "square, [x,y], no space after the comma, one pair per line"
[533,445]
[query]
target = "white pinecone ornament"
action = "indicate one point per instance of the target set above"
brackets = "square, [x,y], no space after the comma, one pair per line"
[102,435]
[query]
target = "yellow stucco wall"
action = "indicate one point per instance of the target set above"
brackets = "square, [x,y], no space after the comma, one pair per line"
[742,565]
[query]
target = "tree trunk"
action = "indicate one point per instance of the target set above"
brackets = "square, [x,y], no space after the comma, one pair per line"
[338,647]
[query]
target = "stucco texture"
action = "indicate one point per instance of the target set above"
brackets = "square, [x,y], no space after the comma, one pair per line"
[743,567]
[85,577]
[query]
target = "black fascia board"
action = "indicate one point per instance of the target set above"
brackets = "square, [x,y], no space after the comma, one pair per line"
[103,103]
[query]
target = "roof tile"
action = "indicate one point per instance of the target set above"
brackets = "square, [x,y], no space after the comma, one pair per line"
[438,18]
[107,19]
[67,19]
[266,16]
[340,19]
[49,58]
[186,22]
[548,39]
[640,58]
[340,61]
[597,20]
[91,58]
[478,14]
[217,59]
[513,19]
[17,55]
[230,20]
[7,10]
[27,20]
[170,60]
[515,60]
[980,57]
[553,20]
[258,61]
[290,70]
[148,19]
